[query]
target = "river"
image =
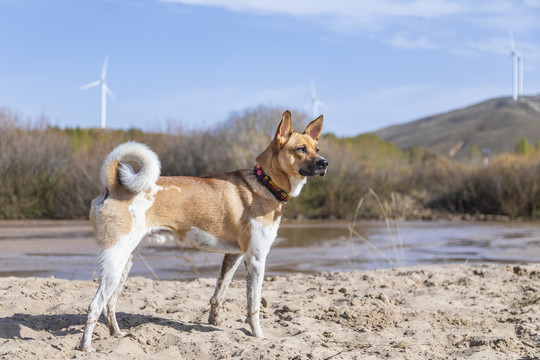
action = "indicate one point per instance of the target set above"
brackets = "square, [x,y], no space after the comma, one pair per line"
[66,249]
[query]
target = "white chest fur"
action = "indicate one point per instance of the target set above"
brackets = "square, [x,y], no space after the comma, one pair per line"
[296,185]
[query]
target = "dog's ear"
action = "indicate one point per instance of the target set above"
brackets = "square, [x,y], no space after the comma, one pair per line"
[314,128]
[284,130]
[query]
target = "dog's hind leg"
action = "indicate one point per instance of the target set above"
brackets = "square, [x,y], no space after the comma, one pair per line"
[228,268]
[112,268]
[110,308]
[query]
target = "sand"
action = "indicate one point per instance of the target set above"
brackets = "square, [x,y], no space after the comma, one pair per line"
[422,312]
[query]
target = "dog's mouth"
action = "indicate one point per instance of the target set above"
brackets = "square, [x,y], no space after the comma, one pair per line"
[320,172]
[316,168]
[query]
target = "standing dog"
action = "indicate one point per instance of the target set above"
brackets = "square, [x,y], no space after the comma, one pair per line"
[236,213]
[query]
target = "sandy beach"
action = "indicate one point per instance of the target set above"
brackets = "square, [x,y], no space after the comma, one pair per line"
[421,312]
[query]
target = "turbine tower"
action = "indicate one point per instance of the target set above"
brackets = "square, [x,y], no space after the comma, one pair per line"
[104,92]
[520,64]
[517,69]
[315,102]
[514,67]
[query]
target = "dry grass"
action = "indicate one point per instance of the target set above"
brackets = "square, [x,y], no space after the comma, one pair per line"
[394,242]
[52,173]
[508,186]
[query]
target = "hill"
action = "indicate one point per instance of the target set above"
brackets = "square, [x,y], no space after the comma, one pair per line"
[496,124]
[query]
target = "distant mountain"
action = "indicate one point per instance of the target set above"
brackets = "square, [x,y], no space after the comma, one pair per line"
[496,124]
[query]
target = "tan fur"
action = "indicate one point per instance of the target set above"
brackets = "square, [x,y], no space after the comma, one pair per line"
[113,219]
[112,180]
[221,203]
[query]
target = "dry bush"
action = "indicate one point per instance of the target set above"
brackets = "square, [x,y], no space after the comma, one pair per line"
[35,169]
[508,186]
[430,172]
[54,173]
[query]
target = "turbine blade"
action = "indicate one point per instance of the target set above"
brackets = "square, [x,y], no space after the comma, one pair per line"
[109,92]
[104,69]
[512,41]
[90,85]
[313,90]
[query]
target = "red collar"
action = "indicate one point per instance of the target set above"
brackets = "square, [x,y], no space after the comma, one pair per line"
[270,185]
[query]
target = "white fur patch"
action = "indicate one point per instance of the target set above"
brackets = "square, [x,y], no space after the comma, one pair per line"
[128,242]
[296,185]
[161,235]
[139,153]
[262,237]
[172,187]
[200,239]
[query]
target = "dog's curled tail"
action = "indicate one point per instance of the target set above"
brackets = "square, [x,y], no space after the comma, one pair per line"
[116,172]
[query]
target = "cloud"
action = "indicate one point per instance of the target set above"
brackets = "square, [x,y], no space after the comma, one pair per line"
[355,11]
[370,11]
[496,46]
[404,24]
[405,42]
[532,3]
[501,46]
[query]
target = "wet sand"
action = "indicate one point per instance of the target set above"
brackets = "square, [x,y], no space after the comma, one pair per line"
[419,312]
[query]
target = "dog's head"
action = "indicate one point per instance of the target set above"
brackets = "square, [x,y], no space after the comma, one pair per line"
[298,154]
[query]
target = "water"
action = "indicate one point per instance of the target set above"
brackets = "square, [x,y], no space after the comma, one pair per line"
[66,249]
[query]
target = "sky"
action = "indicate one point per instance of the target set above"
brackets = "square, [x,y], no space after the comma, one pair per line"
[195,63]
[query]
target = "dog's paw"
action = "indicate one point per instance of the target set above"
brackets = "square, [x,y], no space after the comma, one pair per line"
[257,332]
[214,320]
[119,334]
[87,349]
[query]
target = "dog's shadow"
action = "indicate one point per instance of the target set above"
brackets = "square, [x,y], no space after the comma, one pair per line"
[66,324]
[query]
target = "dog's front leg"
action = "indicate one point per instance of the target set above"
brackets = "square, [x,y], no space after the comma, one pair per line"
[228,268]
[255,262]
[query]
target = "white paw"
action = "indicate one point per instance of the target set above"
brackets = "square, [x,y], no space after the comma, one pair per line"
[257,333]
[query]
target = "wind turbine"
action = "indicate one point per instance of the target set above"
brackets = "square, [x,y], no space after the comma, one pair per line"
[517,73]
[315,102]
[104,92]
[520,63]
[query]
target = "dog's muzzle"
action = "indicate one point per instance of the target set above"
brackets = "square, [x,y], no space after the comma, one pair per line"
[317,167]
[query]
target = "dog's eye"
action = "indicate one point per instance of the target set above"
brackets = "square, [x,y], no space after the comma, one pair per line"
[301,149]
[317,150]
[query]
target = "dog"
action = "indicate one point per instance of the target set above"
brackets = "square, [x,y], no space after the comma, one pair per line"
[236,213]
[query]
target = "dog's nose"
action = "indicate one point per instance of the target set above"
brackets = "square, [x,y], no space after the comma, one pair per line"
[322,163]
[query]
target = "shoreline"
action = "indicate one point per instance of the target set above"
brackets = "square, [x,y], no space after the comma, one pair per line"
[449,218]
[418,312]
